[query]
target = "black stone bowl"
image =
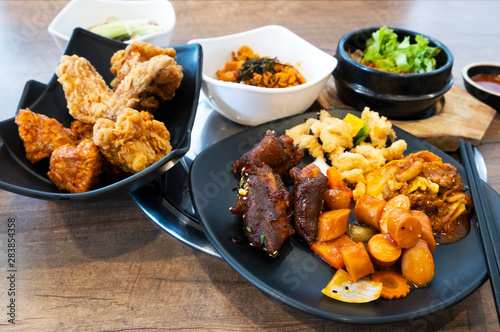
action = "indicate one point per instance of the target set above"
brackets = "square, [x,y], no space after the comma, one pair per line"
[487,96]
[395,95]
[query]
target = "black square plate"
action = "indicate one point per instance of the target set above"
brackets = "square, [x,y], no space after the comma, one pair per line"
[20,176]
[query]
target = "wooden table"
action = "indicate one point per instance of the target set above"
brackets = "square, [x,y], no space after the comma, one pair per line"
[105,266]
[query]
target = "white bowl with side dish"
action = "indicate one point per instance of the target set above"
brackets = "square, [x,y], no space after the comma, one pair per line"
[88,13]
[252,105]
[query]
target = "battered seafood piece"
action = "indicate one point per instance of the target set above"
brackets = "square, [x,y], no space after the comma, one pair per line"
[277,152]
[333,139]
[86,91]
[40,134]
[76,168]
[134,142]
[308,189]
[142,81]
[265,204]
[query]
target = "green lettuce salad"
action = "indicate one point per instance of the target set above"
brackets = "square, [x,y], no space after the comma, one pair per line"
[383,51]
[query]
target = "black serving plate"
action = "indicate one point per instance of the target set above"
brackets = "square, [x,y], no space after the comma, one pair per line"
[20,176]
[297,276]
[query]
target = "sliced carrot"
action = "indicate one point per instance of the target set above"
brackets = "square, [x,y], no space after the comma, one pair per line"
[393,284]
[335,181]
[357,261]
[330,251]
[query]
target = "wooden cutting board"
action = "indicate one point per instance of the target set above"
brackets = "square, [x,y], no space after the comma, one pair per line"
[458,115]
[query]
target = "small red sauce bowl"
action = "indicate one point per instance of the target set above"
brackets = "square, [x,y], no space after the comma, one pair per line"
[481,93]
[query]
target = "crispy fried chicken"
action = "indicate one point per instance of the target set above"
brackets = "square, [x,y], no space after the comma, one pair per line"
[40,134]
[134,142]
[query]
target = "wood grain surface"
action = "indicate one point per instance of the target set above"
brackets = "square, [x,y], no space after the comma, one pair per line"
[104,266]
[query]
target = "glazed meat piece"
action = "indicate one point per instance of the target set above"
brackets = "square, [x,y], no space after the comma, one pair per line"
[308,189]
[265,204]
[86,92]
[276,151]
[134,142]
[76,168]
[40,134]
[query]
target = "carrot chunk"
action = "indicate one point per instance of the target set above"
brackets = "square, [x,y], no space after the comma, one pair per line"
[330,251]
[335,181]
[357,261]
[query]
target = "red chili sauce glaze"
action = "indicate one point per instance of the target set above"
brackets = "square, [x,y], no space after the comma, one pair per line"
[488,81]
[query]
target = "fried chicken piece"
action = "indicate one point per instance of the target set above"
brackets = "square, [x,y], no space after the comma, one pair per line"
[279,152]
[162,86]
[140,83]
[81,130]
[123,61]
[76,168]
[308,189]
[134,142]
[40,134]
[265,204]
[86,91]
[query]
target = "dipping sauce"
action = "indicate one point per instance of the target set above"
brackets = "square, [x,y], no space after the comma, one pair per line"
[488,81]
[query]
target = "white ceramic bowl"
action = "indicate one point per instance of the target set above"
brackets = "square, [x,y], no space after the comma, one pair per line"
[88,13]
[250,105]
